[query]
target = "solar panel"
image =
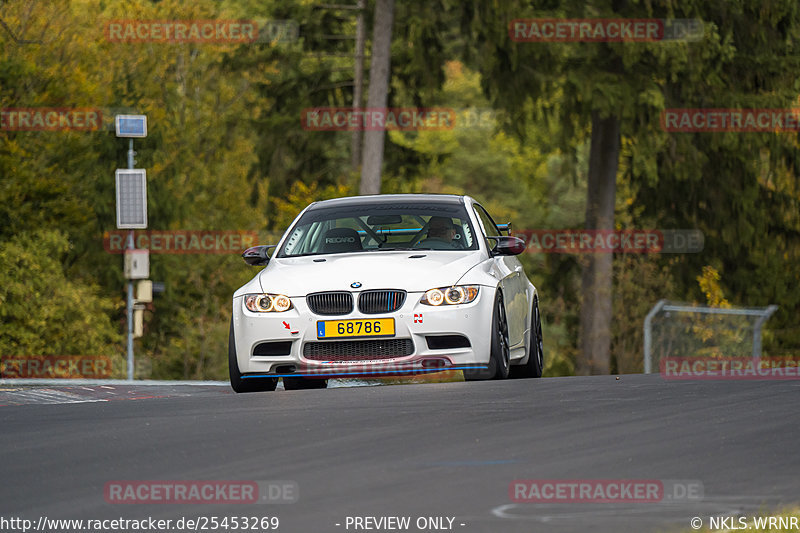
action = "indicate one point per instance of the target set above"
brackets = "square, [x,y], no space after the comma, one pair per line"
[131,198]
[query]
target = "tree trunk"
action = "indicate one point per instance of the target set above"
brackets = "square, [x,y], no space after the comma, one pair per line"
[358,83]
[597,275]
[378,94]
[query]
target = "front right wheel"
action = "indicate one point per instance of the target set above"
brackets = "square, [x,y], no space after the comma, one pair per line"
[239,383]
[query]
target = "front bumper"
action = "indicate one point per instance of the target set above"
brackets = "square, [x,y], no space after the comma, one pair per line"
[415,322]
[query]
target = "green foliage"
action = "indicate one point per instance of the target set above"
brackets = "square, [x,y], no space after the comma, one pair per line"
[724,184]
[226,151]
[45,312]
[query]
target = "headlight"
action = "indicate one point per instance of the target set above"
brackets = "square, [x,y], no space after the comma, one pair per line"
[457,294]
[267,303]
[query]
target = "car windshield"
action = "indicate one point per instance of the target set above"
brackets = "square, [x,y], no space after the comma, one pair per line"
[380,227]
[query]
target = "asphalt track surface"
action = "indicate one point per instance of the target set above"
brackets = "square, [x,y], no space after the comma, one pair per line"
[429,450]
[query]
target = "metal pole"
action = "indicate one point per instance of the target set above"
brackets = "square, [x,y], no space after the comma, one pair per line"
[714,310]
[757,331]
[131,245]
[648,341]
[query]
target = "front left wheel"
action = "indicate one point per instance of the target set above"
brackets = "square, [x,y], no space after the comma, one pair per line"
[239,383]
[499,355]
[533,368]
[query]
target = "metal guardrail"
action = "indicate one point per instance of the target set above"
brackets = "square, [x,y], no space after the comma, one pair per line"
[762,314]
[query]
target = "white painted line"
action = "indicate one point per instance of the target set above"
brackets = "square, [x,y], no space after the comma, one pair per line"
[106,382]
[48,396]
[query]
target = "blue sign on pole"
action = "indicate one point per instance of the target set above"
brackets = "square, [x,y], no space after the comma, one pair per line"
[131,125]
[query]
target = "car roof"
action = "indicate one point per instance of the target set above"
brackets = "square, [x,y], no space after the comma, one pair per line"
[377,199]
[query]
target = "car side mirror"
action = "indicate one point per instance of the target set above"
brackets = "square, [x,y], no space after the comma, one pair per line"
[507,245]
[257,255]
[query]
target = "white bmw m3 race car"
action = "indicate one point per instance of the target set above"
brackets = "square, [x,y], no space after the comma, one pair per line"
[371,286]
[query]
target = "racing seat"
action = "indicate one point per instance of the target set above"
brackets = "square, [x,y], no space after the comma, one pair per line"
[341,240]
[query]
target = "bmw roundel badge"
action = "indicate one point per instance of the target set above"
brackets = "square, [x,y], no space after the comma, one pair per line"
[355,284]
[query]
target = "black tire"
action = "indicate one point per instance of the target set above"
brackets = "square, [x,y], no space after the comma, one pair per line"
[533,368]
[499,356]
[304,383]
[238,384]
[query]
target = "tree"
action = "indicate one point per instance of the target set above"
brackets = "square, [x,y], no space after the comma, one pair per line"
[43,312]
[611,90]
[379,75]
[597,275]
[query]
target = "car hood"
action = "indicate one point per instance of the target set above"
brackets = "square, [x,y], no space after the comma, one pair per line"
[410,271]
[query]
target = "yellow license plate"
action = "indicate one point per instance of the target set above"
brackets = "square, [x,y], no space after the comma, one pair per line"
[375,327]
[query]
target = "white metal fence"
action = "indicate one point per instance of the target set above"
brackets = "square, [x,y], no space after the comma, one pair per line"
[682,330]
